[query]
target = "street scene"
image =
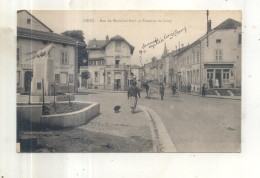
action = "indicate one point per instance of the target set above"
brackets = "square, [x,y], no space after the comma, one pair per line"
[147,82]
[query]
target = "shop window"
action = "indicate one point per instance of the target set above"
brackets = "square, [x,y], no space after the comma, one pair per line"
[210,74]
[226,75]
[64,57]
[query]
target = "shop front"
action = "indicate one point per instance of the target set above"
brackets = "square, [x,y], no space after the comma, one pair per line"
[220,75]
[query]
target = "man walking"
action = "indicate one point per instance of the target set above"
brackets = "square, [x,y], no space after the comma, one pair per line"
[132,95]
[162,91]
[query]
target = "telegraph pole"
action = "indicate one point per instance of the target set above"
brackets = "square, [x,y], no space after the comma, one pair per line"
[207,27]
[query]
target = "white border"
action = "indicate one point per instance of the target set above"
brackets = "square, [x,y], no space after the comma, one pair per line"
[132,165]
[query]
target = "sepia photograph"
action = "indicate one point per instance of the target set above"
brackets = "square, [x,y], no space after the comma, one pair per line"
[128,81]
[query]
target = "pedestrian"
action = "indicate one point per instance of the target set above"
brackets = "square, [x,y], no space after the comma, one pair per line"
[174,89]
[147,90]
[216,83]
[162,91]
[189,88]
[132,93]
[204,90]
[210,83]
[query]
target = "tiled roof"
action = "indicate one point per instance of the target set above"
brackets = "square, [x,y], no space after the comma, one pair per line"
[96,44]
[47,36]
[101,44]
[228,24]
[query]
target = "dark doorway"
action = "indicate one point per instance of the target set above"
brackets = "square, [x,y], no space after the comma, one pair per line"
[218,76]
[117,84]
[27,80]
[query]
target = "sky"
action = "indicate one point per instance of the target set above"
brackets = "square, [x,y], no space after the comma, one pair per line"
[139,28]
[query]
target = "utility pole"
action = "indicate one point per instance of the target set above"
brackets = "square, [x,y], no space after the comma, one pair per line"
[43,102]
[207,27]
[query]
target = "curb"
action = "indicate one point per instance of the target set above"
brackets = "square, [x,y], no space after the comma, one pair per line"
[161,139]
[208,96]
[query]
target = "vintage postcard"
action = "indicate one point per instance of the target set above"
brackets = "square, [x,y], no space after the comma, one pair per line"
[131,81]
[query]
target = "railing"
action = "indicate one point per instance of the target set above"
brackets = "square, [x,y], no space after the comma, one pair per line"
[117,66]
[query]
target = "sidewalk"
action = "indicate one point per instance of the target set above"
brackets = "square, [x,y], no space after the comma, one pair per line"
[99,90]
[209,96]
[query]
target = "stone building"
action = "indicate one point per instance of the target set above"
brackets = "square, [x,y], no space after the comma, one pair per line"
[109,64]
[32,36]
[216,55]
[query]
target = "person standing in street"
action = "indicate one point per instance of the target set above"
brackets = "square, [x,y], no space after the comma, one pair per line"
[217,83]
[162,91]
[189,88]
[132,93]
[147,90]
[204,90]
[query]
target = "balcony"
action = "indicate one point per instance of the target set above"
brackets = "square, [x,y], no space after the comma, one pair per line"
[117,66]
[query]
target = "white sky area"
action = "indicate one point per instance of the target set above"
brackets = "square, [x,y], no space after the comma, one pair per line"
[137,33]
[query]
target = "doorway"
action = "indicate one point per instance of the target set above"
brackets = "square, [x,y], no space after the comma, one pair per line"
[27,80]
[117,84]
[218,76]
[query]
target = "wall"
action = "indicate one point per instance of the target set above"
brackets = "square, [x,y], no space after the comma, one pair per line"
[28,52]
[35,24]
[73,119]
[29,113]
[96,54]
[124,54]
[229,44]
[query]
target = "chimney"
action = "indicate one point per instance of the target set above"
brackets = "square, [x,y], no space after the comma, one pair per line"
[107,38]
[182,45]
[209,26]
[176,47]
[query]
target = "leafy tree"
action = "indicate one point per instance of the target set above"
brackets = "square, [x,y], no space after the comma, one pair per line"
[82,51]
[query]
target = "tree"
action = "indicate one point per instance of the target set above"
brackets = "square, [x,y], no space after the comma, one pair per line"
[82,51]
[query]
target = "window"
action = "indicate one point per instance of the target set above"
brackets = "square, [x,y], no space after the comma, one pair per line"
[198,56]
[64,58]
[117,61]
[57,78]
[210,74]
[18,78]
[193,57]
[28,21]
[218,54]
[96,76]
[63,78]
[108,78]
[239,39]
[39,86]
[188,59]
[118,46]
[218,40]
[226,75]
[18,54]
[70,78]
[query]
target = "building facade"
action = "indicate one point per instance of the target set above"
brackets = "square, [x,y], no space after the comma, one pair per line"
[215,56]
[32,36]
[109,64]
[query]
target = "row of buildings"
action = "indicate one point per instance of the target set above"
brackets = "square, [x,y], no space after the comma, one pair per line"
[215,55]
[109,66]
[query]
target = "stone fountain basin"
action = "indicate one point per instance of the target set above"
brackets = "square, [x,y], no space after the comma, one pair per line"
[33,114]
